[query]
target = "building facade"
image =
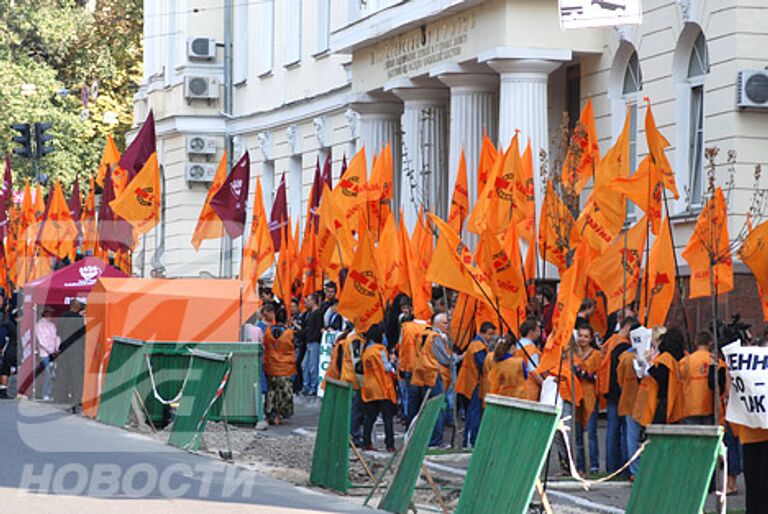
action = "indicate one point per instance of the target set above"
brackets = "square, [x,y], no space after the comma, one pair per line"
[431,77]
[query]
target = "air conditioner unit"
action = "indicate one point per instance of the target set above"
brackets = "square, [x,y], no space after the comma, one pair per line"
[752,87]
[198,172]
[201,145]
[201,49]
[202,88]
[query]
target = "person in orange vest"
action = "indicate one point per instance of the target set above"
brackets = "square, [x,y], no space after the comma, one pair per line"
[352,372]
[468,381]
[659,399]
[698,407]
[530,331]
[434,353]
[411,331]
[586,361]
[378,391]
[280,366]
[509,373]
[629,383]
[609,390]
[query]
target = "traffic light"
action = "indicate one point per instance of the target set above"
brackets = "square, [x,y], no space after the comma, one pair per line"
[42,139]
[23,139]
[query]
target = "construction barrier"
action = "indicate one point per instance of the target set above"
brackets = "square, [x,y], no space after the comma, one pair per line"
[208,375]
[330,460]
[675,469]
[512,445]
[399,493]
[125,364]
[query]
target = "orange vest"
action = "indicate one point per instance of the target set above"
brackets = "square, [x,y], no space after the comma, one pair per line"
[347,366]
[648,394]
[485,379]
[410,336]
[699,398]
[426,367]
[378,384]
[279,356]
[629,383]
[333,370]
[749,435]
[469,376]
[604,370]
[532,388]
[507,378]
[590,364]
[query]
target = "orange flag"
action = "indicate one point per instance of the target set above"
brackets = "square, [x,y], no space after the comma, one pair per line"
[525,201]
[350,194]
[404,258]
[708,250]
[656,296]
[598,320]
[488,156]
[59,231]
[495,206]
[259,254]
[617,270]
[656,145]
[644,189]
[754,252]
[311,275]
[460,199]
[504,273]
[361,299]
[109,157]
[282,283]
[140,202]
[605,212]
[209,225]
[556,229]
[380,190]
[39,204]
[88,221]
[421,253]
[335,248]
[453,266]
[463,323]
[388,253]
[580,166]
[573,284]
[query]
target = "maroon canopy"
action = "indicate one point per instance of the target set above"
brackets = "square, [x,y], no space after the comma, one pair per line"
[69,282]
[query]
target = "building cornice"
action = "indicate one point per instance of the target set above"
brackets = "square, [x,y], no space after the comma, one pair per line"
[394,20]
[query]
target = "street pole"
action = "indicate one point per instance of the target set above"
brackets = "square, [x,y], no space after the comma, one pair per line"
[226,248]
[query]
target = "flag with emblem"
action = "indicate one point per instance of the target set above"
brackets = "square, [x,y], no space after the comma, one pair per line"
[141,201]
[350,195]
[361,300]
[583,153]
[460,199]
[58,233]
[657,294]
[278,218]
[209,226]
[230,202]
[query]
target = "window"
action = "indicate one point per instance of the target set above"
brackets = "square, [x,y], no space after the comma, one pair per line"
[266,13]
[240,42]
[323,26]
[292,31]
[698,68]
[268,184]
[294,188]
[633,84]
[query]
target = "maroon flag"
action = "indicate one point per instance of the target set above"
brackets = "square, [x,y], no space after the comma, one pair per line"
[115,233]
[75,207]
[140,149]
[279,217]
[230,202]
[327,179]
[315,196]
[343,166]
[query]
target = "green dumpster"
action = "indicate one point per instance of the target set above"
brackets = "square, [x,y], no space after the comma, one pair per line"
[125,361]
[330,459]
[675,469]
[167,365]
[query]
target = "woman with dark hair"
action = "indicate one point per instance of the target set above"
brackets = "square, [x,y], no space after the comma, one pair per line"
[279,366]
[508,373]
[660,398]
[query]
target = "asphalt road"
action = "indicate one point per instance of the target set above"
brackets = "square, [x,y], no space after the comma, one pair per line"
[54,462]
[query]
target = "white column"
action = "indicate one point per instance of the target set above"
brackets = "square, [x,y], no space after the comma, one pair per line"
[425,173]
[378,124]
[474,112]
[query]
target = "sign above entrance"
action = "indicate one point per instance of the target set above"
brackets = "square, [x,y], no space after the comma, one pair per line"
[579,14]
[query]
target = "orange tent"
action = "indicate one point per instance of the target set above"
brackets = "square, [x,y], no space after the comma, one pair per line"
[190,310]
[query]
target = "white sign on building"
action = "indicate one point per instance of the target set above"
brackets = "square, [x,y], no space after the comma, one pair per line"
[580,14]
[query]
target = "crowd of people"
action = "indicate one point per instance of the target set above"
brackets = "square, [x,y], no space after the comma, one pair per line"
[395,365]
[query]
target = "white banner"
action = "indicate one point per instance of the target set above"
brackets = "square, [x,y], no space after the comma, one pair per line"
[326,345]
[748,368]
[641,340]
[579,14]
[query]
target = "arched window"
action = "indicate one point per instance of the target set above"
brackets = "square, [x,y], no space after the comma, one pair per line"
[698,68]
[633,84]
